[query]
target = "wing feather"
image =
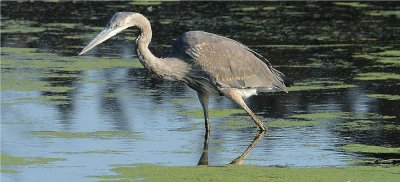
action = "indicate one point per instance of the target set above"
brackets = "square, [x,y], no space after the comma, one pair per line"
[226,63]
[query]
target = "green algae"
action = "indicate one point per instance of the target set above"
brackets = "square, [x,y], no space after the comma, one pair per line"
[181,100]
[146,3]
[105,135]
[341,115]
[237,122]
[249,173]
[106,152]
[384,96]
[17,50]
[8,83]
[388,57]
[23,68]
[352,4]
[319,85]
[9,171]
[389,53]
[285,123]
[302,46]
[30,58]
[318,116]
[8,160]
[376,76]
[269,8]
[20,26]
[361,148]
[372,161]
[366,125]
[245,9]
[213,112]
[384,13]
[63,25]
[189,127]
[246,122]
[71,63]
[356,125]
[55,97]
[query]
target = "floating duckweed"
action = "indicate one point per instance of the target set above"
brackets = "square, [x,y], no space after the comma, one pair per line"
[181,100]
[213,112]
[361,148]
[189,127]
[237,122]
[23,68]
[7,160]
[368,161]
[145,3]
[269,8]
[246,122]
[17,50]
[341,115]
[352,4]
[384,96]
[366,125]
[395,13]
[303,46]
[377,76]
[389,53]
[284,123]
[357,125]
[96,152]
[29,58]
[245,9]
[9,171]
[63,25]
[94,134]
[319,85]
[390,57]
[30,85]
[49,99]
[148,172]
[14,26]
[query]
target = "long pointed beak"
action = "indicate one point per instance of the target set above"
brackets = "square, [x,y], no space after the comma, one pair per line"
[101,37]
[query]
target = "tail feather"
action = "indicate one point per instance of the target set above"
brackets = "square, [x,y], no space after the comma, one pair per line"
[282,78]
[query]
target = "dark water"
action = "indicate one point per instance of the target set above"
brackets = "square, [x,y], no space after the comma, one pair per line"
[323,47]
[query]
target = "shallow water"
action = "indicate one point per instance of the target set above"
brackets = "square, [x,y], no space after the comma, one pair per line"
[104,109]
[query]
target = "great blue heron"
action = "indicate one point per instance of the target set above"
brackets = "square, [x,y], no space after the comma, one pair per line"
[209,64]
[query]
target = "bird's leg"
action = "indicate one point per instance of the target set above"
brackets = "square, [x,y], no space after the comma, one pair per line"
[204,156]
[204,103]
[235,96]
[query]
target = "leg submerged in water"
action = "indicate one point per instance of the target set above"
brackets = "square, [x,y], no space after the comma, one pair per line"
[204,103]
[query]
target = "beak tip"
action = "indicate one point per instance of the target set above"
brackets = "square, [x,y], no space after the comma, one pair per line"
[82,52]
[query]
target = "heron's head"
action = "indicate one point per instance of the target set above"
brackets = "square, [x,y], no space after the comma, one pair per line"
[120,21]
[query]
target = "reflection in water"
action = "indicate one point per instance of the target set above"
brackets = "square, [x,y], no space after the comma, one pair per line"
[111,102]
[239,160]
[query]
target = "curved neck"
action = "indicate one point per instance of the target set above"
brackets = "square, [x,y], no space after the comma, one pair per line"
[169,68]
[142,45]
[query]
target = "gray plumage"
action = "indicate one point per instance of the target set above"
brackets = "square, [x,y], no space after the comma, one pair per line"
[208,63]
[225,63]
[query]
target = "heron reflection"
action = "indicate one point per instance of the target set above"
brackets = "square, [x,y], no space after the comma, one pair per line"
[239,160]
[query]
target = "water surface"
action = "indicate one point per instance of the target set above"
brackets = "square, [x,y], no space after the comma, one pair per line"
[78,116]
